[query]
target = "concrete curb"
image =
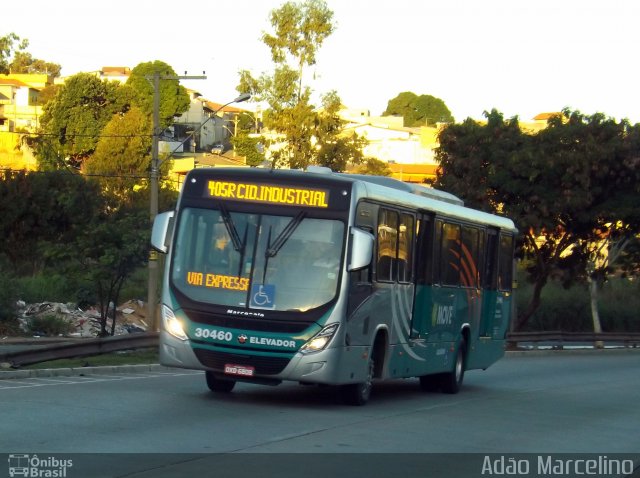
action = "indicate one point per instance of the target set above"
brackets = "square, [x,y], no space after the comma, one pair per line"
[577,351]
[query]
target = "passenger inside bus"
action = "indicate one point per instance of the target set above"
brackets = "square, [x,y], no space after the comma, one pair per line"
[220,254]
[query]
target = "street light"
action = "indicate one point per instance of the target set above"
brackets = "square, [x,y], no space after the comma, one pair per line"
[153,208]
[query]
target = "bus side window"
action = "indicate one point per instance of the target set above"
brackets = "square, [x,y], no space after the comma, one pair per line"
[405,248]
[481,257]
[387,245]
[491,260]
[469,260]
[505,263]
[450,255]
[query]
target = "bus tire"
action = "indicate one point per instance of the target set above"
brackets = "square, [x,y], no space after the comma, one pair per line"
[451,382]
[358,394]
[219,385]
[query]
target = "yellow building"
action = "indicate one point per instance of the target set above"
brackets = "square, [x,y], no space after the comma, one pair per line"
[20,111]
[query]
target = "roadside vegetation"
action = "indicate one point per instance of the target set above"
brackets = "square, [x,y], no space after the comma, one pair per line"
[569,309]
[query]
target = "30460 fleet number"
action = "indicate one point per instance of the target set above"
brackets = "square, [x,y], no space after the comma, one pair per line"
[201,333]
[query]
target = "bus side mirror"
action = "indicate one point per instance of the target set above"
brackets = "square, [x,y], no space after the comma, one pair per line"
[361,249]
[161,232]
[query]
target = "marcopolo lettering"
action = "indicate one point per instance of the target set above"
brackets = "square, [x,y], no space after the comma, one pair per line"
[267,193]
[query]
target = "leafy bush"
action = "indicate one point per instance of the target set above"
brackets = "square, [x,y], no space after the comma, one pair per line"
[620,305]
[135,286]
[570,309]
[8,296]
[46,286]
[49,325]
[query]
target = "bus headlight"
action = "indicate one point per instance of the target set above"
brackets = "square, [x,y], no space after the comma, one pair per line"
[171,324]
[320,340]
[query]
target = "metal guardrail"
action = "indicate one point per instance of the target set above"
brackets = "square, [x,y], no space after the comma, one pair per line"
[80,348]
[627,339]
[87,347]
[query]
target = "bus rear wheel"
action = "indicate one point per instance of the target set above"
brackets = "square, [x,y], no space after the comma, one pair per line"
[451,382]
[358,393]
[219,385]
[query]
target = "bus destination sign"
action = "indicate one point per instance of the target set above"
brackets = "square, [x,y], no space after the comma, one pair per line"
[268,193]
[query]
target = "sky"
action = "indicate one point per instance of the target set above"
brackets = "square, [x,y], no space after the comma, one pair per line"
[521,58]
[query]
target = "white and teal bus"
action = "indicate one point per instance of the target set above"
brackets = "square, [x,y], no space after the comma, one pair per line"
[327,278]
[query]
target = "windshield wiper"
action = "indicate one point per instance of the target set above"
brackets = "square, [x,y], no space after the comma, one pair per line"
[238,245]
[284,236]
[244,243]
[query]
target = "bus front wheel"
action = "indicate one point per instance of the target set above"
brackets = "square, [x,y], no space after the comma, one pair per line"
[219,385]
[359,393]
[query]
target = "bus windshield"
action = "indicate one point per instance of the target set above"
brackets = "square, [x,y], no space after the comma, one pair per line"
[257,261]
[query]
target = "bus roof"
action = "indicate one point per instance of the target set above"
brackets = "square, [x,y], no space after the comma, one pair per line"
[385,189]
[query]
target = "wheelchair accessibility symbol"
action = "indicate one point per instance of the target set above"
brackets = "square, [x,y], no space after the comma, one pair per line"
[263,296]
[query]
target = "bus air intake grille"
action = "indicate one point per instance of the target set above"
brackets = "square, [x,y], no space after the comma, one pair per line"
[262,365]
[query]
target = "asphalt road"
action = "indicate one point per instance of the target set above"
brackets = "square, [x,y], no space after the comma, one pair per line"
[169,424]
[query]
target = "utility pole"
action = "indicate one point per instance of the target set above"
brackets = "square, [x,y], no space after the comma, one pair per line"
[152,291]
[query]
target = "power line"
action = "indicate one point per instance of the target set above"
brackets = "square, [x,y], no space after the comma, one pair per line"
[83,135]
[84,175]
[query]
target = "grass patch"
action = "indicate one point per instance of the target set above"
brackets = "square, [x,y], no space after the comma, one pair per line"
[127,357]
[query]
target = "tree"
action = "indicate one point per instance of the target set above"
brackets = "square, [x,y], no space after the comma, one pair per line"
[306,135]
[23,62]
[335,148]
[122,157]
[15,59]
[7,49]
[107,253]
[174,99]
[74,119]
[249,148]
[300,31]
[40,211]
[47,94]
[563,186]
[603,157]
[419,110]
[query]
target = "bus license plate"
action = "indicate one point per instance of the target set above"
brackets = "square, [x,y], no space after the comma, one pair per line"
[243,370]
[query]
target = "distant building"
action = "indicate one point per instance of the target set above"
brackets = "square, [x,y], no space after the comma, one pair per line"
[108,73]
[207,124]
[115,73]
[20,112]
[409,152]
[20,107]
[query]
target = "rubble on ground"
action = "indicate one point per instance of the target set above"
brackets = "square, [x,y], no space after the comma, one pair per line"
[130,317]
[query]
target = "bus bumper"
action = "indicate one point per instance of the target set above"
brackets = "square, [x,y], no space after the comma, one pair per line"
[333,366]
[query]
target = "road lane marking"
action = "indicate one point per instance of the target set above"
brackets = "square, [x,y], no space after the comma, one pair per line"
[82,379]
